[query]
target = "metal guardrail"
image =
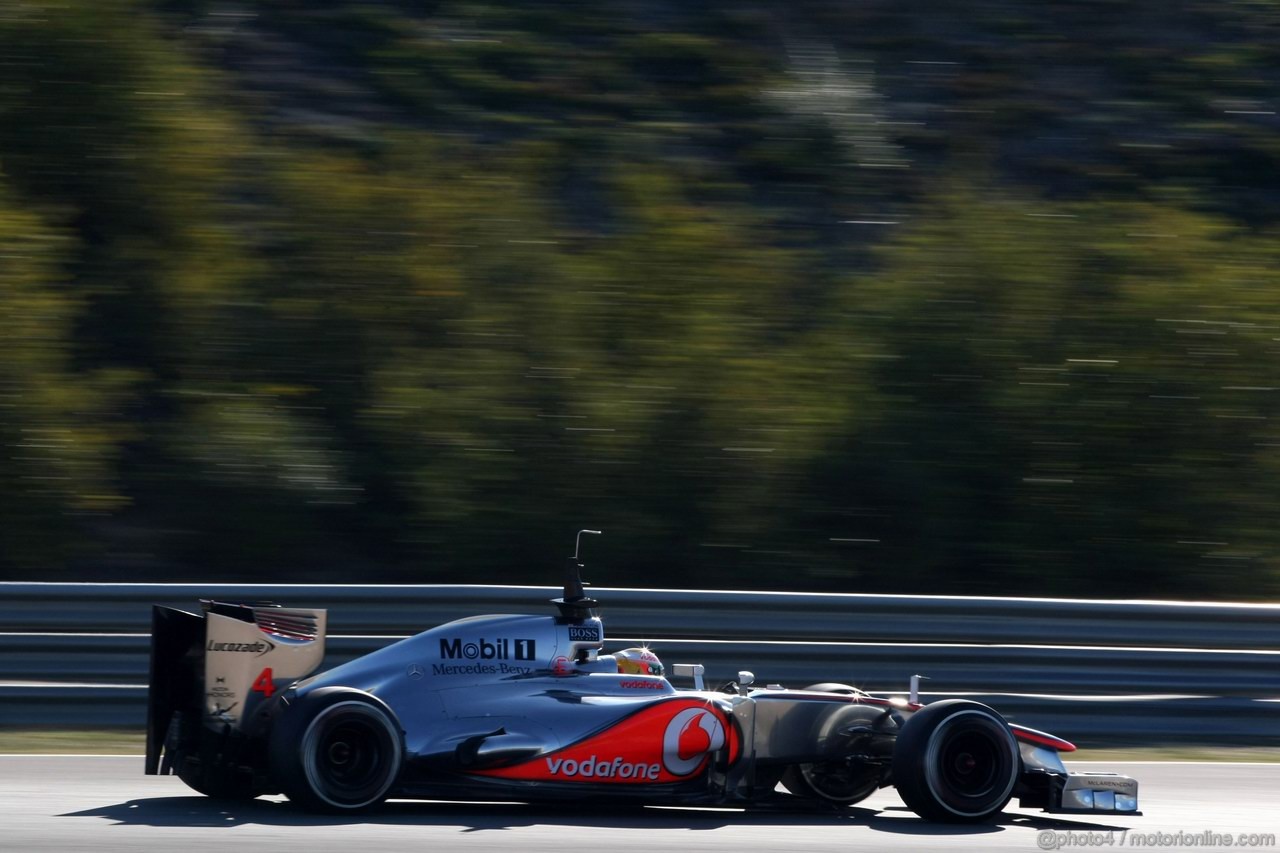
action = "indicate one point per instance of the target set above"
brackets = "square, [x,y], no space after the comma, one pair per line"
[76,654]
[697,614]
[122,659]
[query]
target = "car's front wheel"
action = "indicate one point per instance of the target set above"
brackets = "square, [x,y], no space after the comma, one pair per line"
[842,780]
[337,750]
[839,782]
[955,761]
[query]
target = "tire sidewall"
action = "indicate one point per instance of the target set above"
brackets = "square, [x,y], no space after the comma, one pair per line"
[300,732]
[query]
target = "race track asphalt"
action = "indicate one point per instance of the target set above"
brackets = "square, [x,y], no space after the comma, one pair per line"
[104,804]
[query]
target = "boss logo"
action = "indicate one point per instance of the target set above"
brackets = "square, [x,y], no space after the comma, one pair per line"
[584,633]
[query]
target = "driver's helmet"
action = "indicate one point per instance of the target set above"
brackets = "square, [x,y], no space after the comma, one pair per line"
[638,662]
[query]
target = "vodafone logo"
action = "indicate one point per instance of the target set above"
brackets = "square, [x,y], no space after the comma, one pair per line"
[690,736]
[659,743]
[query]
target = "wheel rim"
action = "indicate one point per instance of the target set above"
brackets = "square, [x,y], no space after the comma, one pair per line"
[350,755]
[971,764]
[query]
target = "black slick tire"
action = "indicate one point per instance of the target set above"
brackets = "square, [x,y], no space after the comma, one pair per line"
[336,750]
[956,761]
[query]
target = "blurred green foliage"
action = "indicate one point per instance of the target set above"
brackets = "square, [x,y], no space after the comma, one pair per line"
[858,297]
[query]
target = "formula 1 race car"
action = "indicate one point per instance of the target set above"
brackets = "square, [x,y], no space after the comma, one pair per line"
[530,708]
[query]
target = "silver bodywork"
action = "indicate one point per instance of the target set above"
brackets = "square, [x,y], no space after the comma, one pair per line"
[529,707]
[541,683]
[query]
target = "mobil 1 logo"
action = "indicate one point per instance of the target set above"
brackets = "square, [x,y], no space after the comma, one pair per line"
[502,648]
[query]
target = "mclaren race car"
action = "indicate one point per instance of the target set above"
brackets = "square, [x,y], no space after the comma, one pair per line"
[532,708]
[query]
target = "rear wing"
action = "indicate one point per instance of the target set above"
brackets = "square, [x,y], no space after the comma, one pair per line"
[218,666]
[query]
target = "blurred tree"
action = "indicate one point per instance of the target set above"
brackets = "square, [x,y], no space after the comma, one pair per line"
[105,122]
[60,429]
[1079,397]
[855,296]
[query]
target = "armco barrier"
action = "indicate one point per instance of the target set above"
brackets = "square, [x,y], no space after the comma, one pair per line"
[121,659]
[697,614]
[1134,671]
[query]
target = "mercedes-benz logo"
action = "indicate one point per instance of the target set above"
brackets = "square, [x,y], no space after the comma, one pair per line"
[415,671]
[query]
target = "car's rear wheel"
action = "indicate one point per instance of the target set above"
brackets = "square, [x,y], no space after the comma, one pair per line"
[955,761]
[337,750]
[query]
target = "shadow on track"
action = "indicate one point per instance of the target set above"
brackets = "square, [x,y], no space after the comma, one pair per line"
[196,811]
[902,820]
